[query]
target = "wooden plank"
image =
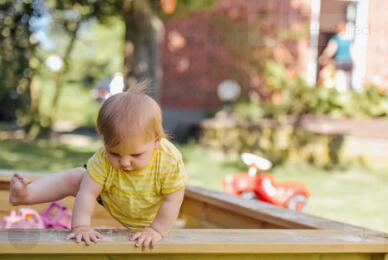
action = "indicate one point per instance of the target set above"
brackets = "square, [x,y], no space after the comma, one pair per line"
[148,256]
[194,241]
[211,209]
[193,222]
[217,216]
[264,212]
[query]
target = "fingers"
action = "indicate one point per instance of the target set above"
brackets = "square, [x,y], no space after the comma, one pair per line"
[87,238]
[144,240]
[86,234]
[94,237]
[146,243]
[140,240]
[135,236]
[98,235]
[78,238]
[70,236]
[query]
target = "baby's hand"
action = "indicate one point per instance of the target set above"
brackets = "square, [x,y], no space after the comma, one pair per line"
[85,233]
[148,237]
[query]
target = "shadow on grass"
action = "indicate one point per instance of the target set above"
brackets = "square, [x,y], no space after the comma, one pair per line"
[42,155]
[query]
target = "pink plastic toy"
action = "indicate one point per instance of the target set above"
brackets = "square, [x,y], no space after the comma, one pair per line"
[55,216]
[23,218]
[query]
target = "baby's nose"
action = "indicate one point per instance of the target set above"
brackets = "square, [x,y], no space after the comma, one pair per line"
[125,161]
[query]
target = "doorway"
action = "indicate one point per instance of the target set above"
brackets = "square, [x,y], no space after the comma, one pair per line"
[355,14]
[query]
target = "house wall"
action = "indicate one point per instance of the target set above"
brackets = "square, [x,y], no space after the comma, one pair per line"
[377,43]
[195,60]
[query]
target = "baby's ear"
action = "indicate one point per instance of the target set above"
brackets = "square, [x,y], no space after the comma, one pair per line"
[157,141]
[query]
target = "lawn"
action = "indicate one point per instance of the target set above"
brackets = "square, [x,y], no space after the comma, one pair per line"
[356,196]
[43,155]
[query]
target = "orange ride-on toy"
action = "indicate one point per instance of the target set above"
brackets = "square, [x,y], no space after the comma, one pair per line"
[255,184]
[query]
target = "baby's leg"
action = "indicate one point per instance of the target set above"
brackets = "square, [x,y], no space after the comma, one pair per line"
[46,189]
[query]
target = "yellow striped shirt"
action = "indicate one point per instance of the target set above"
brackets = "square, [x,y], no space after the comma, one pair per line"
[134,198]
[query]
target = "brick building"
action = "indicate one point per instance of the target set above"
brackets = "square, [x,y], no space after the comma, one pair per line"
[197,55]
[208,47]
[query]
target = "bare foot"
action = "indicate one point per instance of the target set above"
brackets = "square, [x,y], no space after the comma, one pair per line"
[17,190]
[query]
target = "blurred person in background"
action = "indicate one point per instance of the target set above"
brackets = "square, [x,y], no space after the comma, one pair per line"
[339,50]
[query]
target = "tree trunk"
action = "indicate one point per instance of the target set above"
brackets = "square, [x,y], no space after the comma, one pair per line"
[59,75]
[144,33]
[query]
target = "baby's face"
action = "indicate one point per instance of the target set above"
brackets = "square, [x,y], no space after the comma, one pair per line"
[131,155]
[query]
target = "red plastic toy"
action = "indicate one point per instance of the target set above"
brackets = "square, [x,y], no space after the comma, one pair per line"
[257,185]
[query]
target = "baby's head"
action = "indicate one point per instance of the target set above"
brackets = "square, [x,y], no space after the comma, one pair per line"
[130,124]
[340,27]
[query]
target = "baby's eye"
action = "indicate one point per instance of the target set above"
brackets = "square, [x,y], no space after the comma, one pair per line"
[114,154]
[137,155]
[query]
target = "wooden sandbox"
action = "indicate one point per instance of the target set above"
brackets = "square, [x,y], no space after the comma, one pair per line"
[211,225]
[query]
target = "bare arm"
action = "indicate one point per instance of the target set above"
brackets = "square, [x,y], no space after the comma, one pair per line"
[329,51]
[168,212]
[84,205]
[85,202]
[163,221]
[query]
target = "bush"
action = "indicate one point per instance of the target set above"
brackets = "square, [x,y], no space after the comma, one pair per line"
[294,97]
[270,125]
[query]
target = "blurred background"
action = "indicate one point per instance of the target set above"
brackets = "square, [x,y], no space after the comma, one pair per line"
[302,83]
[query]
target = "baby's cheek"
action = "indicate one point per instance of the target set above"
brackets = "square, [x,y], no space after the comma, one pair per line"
[141,164]
[113,162]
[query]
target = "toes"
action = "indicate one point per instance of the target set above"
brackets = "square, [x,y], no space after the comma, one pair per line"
[20,178]
[18,182]
[13,201]
[18,190]
[14,178]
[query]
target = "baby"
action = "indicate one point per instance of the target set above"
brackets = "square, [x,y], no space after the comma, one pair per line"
[138,176]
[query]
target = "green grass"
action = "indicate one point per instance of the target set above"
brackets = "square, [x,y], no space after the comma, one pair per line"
[75,107]
[42,155]
[355,196]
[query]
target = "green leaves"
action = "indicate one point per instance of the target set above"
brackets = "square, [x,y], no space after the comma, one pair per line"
[294,97]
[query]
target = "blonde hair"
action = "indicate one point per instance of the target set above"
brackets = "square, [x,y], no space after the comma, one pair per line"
[130,113]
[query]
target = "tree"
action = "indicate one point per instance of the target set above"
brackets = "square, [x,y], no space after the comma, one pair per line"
[143,36]
[144,33]
[21,57]
[68,17]
[18,57]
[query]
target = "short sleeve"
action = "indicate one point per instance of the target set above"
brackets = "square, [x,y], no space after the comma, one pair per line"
[97,167]
[175,178]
